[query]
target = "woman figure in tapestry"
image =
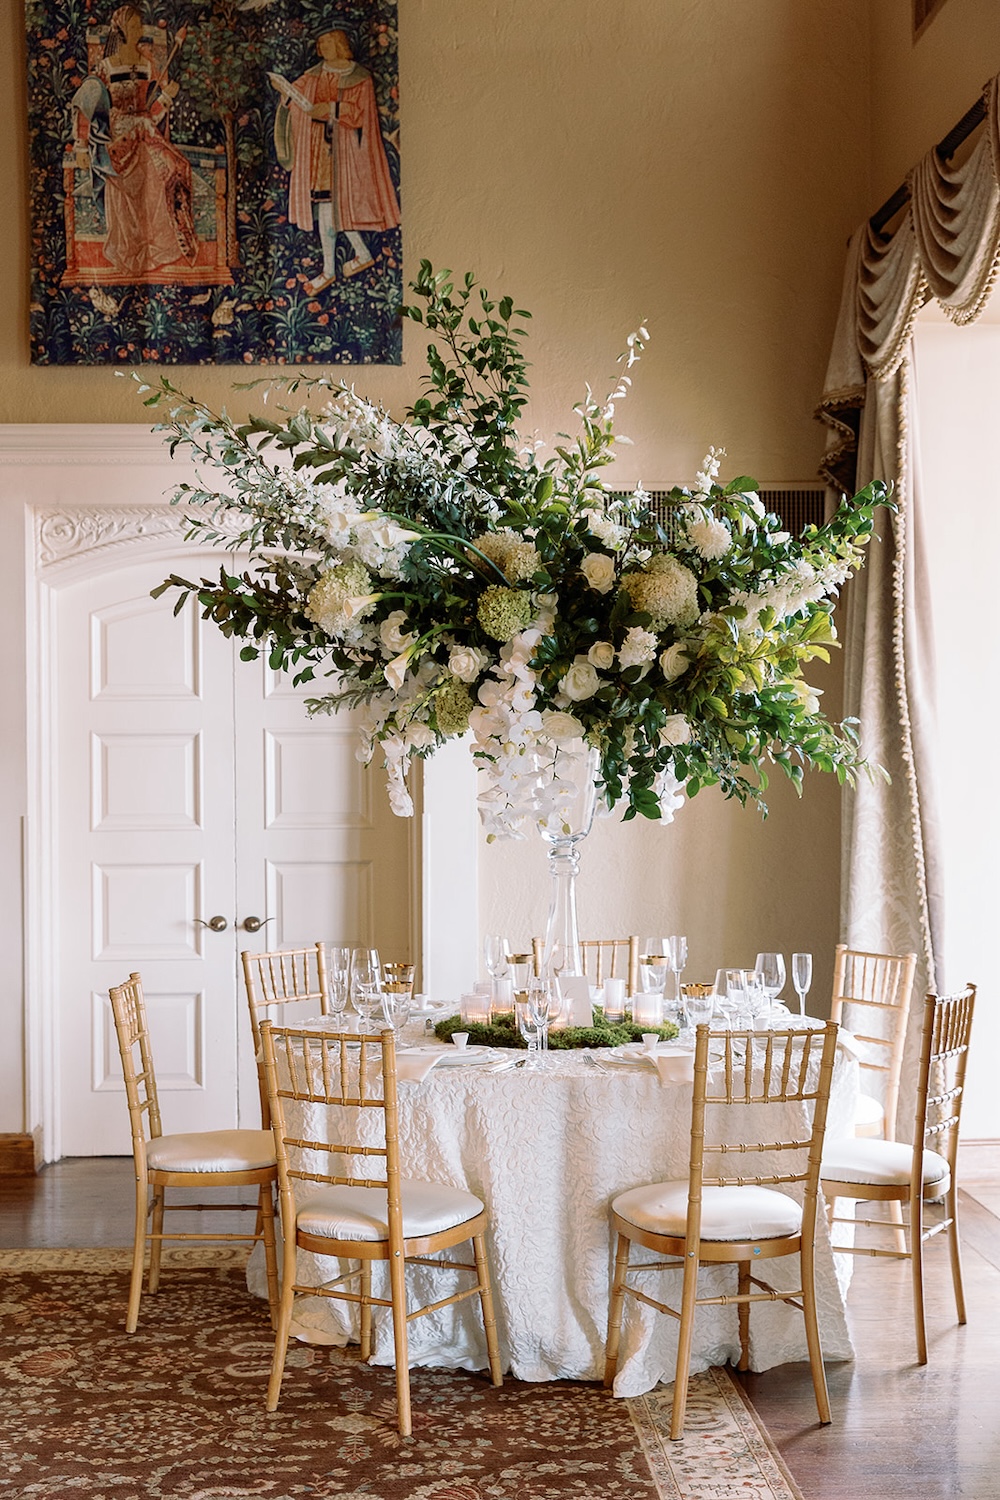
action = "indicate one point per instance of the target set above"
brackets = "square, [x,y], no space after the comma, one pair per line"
[327,133]
[147,183]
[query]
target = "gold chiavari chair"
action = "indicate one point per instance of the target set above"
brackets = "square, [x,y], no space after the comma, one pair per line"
[603,958]
[910,1174]
[202,1159]
[871,998]
[289,976]
[333,1211]
[718,1215]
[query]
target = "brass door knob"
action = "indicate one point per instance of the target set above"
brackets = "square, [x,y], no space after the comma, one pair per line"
[217,924]
[254,924]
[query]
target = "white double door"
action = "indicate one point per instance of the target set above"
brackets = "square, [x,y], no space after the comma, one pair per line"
[193,799]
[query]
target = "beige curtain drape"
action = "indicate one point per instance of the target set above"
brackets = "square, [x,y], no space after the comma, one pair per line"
[947,247]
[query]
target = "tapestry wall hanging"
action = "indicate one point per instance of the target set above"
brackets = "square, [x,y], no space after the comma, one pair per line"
[214,182]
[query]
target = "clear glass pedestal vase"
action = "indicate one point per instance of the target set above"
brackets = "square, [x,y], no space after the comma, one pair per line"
[573,794]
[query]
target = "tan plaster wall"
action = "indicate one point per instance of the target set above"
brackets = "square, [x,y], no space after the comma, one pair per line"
[920,90]
[693,164]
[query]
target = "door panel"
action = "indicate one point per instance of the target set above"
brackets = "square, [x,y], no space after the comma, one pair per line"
[144,835]
[190,785]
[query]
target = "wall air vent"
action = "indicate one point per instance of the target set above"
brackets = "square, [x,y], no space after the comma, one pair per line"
[797,505]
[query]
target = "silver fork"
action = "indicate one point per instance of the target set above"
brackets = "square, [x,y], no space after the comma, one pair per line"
[595,1062]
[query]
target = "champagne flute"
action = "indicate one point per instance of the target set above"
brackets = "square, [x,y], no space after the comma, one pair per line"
[338,969]
[802,973]
[677,955]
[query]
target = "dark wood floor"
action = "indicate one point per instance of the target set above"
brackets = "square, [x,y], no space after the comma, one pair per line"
[900,1431]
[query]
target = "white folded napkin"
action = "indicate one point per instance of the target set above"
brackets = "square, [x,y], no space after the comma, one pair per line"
[413,1067]
[675,1066]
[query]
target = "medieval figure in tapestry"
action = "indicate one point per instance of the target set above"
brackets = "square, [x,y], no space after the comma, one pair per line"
[214,181]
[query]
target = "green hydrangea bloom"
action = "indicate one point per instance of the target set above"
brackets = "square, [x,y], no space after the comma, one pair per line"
[326,605]
[503,612]
[452,707]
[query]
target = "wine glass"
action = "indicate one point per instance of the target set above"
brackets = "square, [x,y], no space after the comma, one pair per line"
[757,998]
[802,973]
[366,982]
[771,968]
[545,1001]
[495,955]
[527,1025]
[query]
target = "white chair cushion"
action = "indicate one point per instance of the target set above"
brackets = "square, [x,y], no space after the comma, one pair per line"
[212,1151]
[727,1213]
[880,1164]
[356,1213]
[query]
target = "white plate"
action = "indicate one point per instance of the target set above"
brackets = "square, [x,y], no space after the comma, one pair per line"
[455,1057]
[469,1057]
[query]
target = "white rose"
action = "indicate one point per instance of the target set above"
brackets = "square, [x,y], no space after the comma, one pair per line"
[602,655]
[558,726]
[466,663]
[599,570]
[420,736]
[580,682]
[394,637]
[676,731]
[673,662]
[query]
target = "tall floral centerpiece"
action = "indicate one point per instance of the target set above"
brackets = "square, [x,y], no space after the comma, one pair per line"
[448,574]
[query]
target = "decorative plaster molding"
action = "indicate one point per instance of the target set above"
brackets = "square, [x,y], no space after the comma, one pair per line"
[64,533]
[79,443]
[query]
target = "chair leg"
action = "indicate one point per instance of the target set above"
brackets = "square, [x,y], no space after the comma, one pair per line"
[366,1310]
[917,1268]
[281,1329]
[397,1282]
[138,1255]
[156,1239]
[615,1311]
[743,1288]
[684,1339]
[265,1221]
[807,1260]
[955,1249]
[486,1302]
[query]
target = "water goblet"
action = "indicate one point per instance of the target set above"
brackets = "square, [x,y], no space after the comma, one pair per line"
[802,973]
[771,968]
[699,1007]
[396,1002]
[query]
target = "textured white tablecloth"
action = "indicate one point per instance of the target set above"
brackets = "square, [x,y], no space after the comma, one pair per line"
[547,1151]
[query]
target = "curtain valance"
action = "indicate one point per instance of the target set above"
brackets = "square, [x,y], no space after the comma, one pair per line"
[945,246]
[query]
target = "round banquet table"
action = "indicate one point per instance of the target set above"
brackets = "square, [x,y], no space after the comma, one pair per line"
[547,1151]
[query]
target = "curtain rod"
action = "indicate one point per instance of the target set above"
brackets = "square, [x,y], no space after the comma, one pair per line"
[945,149]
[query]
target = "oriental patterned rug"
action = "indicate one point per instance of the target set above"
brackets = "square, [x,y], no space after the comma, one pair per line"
[177,1409]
